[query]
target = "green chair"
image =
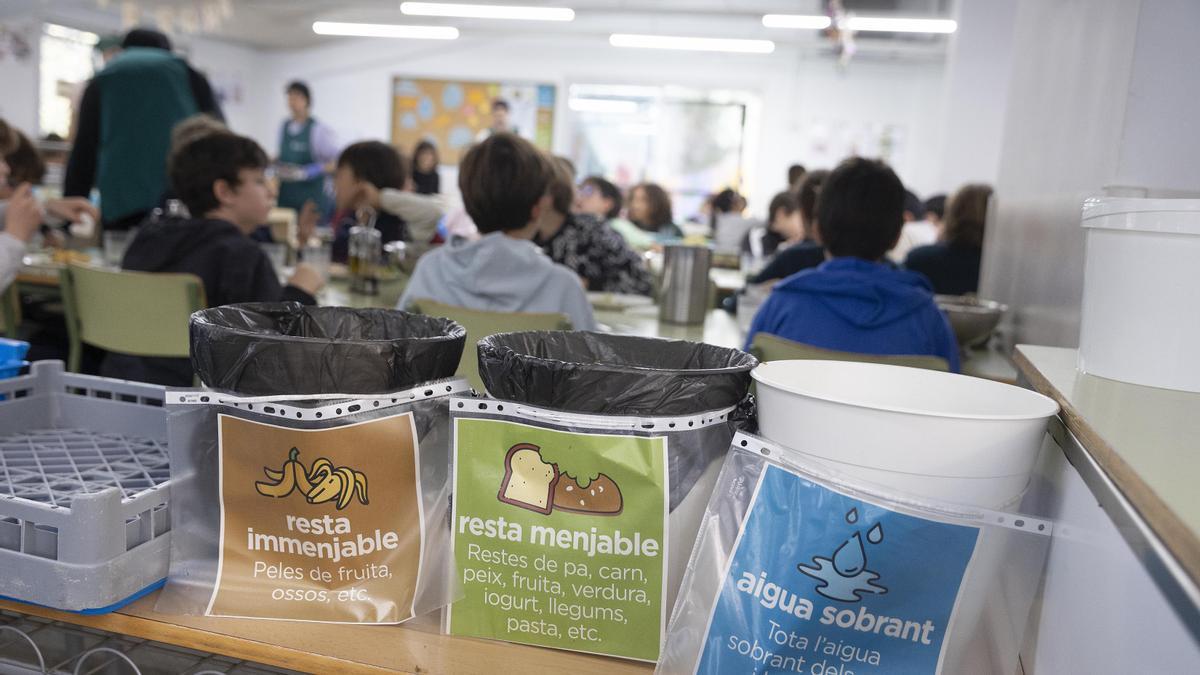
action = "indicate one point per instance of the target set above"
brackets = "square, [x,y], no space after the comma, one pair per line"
[480,324]
[10,311]
[767,347]
[138,313]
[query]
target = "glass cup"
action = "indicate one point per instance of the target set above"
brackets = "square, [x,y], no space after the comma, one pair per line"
[278,255]
[319,257]
[115,244]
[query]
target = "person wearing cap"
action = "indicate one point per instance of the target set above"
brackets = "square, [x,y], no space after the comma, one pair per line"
[125,119]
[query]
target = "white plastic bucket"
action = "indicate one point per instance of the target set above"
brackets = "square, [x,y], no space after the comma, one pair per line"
[1139,322]
[944,436]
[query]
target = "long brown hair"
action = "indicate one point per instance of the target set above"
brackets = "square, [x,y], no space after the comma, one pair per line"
[8,138]
[660,206]
[806,195]
[966,213]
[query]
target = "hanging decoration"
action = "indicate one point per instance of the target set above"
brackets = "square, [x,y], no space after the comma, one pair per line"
[174,16]
[14,44]
[840,33]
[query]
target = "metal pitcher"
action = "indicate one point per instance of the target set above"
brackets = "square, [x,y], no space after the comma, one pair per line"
[685,287]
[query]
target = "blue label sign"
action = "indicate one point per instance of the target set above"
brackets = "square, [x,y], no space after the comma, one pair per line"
[821,583]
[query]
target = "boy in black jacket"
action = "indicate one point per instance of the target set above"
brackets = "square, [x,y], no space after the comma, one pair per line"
[220,178]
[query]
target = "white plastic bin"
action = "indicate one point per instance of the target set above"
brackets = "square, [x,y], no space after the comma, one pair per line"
[1139,321]
[939,435]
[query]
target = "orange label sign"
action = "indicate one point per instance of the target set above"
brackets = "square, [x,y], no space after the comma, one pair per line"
[319,524]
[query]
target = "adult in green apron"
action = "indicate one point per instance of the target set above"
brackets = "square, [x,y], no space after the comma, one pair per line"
[306,149]
[125,120]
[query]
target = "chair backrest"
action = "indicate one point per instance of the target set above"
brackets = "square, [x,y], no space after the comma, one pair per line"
[769,347]
[138,313]
[481,323]
[10,311]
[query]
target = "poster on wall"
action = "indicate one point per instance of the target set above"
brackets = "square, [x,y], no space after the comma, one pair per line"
[455,114]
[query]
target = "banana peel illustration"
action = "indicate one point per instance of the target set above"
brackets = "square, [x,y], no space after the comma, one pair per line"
[322,482]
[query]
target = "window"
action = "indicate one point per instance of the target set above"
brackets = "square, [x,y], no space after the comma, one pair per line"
[692,142]
[65,65]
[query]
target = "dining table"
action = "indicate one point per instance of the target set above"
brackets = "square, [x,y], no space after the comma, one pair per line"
[614,313]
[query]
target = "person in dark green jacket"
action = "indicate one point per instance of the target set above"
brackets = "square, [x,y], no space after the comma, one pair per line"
[125,120]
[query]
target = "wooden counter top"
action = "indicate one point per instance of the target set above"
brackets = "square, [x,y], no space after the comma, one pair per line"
[337,648]
[1145,439]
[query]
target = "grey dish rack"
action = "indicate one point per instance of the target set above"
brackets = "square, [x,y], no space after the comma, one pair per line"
[31,645]
[84,514]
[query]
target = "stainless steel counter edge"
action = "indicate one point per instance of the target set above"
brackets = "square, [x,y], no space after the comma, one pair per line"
[1176,584]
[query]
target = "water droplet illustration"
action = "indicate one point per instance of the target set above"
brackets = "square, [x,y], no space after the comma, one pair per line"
[852,516]
[875,534]
[850,559]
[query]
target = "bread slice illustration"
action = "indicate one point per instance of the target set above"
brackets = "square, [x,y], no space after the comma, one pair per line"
[601,497]
[528,481]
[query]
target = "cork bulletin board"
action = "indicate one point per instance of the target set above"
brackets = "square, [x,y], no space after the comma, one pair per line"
[455,114]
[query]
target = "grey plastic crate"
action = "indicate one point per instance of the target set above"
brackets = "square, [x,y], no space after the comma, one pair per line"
[36,646]
[83,489]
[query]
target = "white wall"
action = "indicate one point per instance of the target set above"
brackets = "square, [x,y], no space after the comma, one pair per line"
[19,79]
[235,72]
[1103,92]
[978,68]
[351,84]
[1160,141]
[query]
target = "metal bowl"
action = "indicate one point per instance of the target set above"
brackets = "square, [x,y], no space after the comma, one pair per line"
[972,318]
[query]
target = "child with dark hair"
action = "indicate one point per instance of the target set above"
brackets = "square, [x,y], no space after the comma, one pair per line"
[599,197]
[804,253]
[935,209]
[782,229]
[425,169]
[20,212]
[854,302]
[368,163]
[505,184]
[220,178]
[371,174]
[650,210]
[586,244]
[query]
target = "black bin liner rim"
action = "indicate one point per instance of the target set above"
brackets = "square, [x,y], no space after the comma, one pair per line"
[490,343]
[455,331]
[260,349]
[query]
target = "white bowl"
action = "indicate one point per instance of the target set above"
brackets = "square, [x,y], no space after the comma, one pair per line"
[943,436]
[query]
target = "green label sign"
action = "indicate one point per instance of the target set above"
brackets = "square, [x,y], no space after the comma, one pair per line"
[560,538]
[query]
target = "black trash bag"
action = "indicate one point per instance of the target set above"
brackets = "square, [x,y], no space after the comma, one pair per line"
[285,348]
[613,374]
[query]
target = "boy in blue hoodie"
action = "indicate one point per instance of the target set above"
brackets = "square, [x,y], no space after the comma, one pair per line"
[854,302]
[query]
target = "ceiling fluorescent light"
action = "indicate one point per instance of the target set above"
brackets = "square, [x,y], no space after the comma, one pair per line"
[806,21]
[861,23]
[603,105]
[385,30]
[894,25]
[700,44]
[487,11]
